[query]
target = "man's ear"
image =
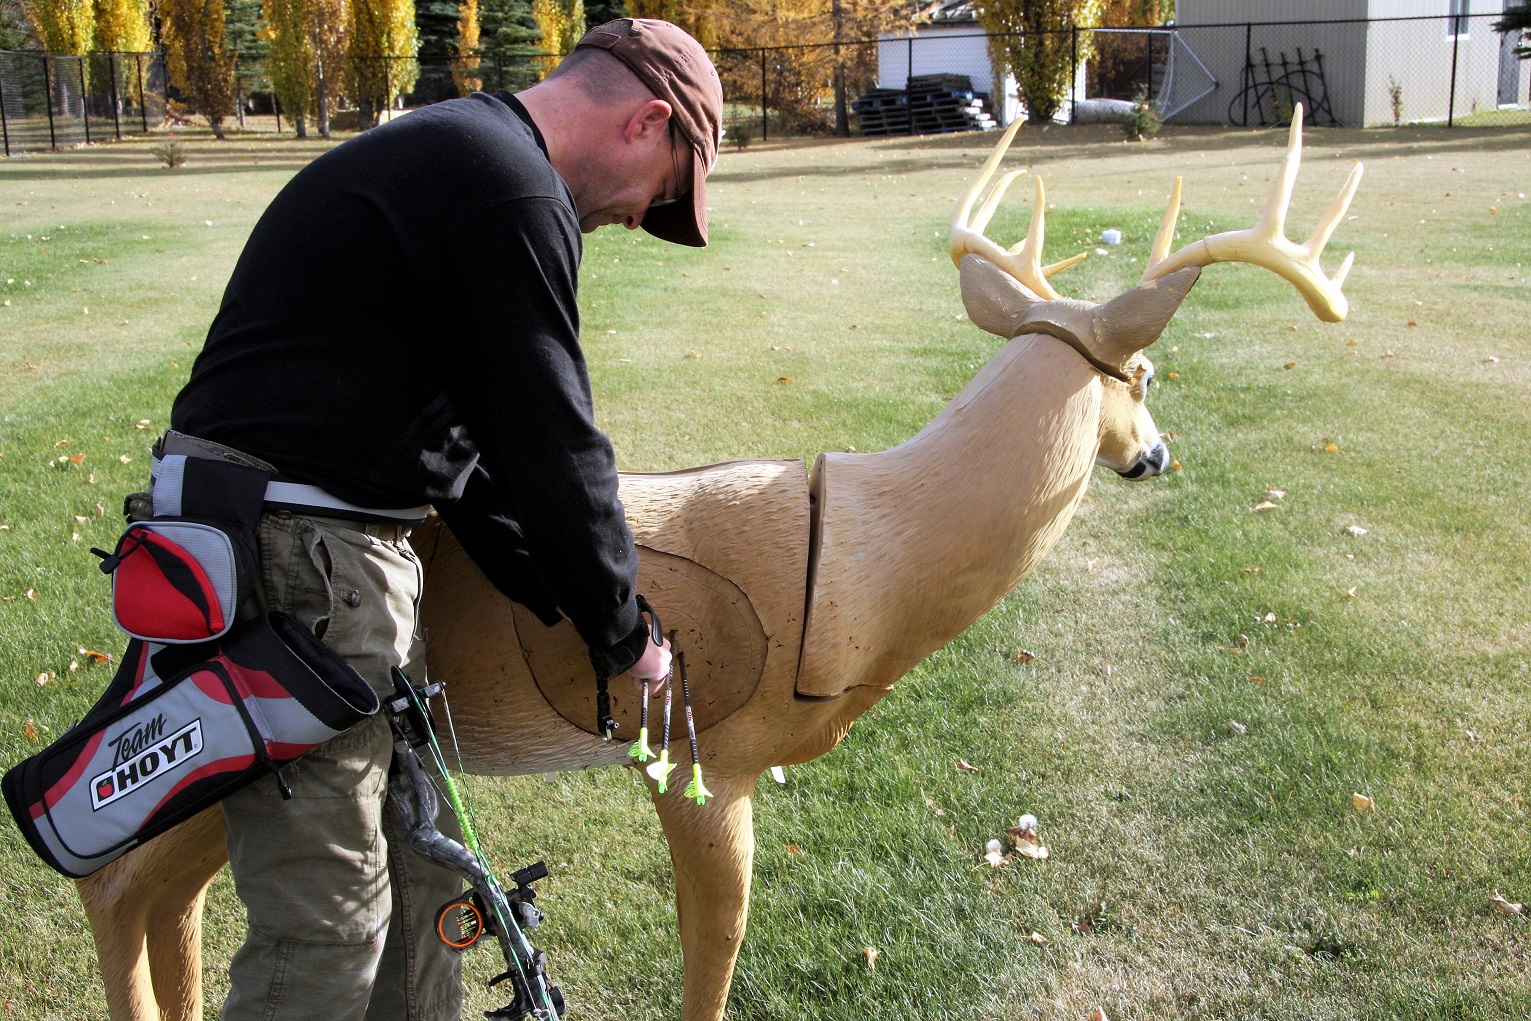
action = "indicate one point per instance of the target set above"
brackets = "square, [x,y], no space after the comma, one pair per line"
[650,118]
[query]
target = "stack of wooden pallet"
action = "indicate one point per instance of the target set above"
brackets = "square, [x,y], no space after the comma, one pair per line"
[930,104]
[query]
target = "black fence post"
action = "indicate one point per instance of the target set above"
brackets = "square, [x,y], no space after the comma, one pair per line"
[1451,102]
[276,107]
[1073,69]
[5,128]
[909,85]
[143,93]
[84,100]
[1249,63]
[111,63]
[765,130]
[48,89]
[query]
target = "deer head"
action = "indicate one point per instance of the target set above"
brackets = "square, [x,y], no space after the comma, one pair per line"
[1006,291]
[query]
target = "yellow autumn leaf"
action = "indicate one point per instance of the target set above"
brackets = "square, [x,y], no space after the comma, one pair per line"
[1361,803]
[872,953]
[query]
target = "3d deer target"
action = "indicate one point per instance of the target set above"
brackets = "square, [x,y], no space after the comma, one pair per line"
[801,597]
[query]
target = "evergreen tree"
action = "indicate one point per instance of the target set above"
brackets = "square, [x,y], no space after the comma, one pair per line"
[436,26]
[1516,19]
[248,50]
[508,37]
[16,32]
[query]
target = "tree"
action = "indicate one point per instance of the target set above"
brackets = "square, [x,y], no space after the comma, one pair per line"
[198,57]
[695,17]
[247,49]
[467,59]
[62,26]
[16,31]
[290,59]
[382,53]
[508,36]
[1516,19]
[122,26]
[562,23]
[1136,13]
[1034,40]
[806,87]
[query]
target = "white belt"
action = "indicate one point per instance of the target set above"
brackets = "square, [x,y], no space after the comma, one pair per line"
[169,475]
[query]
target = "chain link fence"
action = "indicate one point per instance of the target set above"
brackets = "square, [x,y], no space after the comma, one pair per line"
[941,77]
[54,102]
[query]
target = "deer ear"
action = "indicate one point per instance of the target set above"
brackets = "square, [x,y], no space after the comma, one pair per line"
[995,300]
[1134,319]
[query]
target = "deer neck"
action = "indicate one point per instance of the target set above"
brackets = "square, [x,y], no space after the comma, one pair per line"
[915,543]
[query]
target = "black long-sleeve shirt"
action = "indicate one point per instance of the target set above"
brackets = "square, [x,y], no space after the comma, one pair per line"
[402,328]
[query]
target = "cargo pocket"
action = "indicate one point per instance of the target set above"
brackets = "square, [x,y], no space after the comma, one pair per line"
[297,568]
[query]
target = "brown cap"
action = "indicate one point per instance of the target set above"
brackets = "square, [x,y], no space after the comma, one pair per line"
[675,69]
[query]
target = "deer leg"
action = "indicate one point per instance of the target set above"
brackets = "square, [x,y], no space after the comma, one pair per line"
[712,847]
[145,911]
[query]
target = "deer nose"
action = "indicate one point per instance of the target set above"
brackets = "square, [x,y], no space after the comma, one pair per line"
[1150,464]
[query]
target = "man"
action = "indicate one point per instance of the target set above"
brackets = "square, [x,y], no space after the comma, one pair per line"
[400,331]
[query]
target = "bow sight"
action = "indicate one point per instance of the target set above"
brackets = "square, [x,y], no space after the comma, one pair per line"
[486,908]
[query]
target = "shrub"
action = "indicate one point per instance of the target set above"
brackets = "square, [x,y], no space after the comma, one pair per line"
[1143,121]
[172,153]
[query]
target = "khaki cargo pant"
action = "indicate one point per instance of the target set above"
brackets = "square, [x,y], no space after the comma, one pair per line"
[341,911]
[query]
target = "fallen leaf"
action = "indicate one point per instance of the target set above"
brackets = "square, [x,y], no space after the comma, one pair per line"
[61,443]
[1361,803]
[1356,530]
[1174,466]
[1352,592]
[1039,939]
[124,458]
[1237,727]
[1099,1014]
[1290,365]
[1251,570]
[872,953]
[930,803]
[965,766]
[31,593]
[1265,505]
[1025,656]
[1276,494]
[1027,849]
[1504,907]
[994,854]
[1174,375]
[794,850]
[785,379]
[693,355]
[1330,448]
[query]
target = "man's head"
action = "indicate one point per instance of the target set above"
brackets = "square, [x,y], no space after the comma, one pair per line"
[684,101]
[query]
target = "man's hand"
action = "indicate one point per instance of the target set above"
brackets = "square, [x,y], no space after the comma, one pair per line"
[653,666]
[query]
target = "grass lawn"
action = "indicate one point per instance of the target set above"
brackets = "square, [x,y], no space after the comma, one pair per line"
[1187,694]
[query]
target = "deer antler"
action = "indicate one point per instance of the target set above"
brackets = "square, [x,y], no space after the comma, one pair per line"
[1024,261]
[1266,244]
